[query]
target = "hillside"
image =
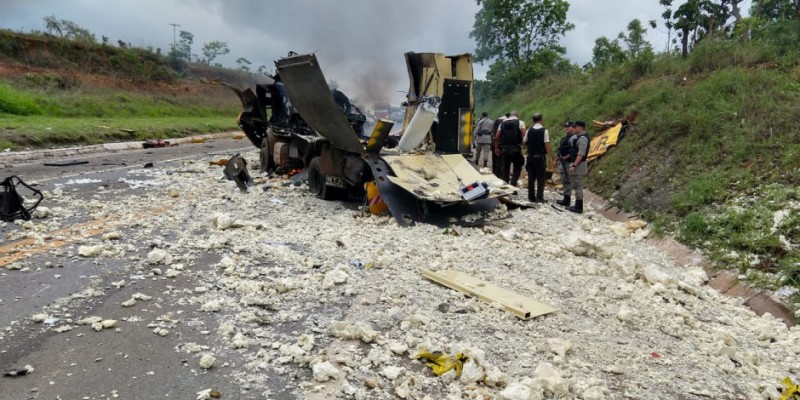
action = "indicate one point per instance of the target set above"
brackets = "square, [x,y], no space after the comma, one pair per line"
[715,157]
[56,92]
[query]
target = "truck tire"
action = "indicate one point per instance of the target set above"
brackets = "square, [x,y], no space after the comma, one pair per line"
[316,182]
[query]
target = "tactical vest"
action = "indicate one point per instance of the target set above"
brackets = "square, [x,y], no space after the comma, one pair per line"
[574,150]
[509,133]
[536,141]
[564,147]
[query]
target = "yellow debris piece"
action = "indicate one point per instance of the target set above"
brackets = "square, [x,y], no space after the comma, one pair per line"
[440,362]
[792,391]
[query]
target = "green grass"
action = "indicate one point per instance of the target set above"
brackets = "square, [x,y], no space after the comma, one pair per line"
[48,110]
[18,132]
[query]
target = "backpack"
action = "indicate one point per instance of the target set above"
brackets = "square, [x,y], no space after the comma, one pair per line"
[509,133]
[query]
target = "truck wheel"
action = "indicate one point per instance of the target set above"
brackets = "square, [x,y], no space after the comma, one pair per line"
[316,182]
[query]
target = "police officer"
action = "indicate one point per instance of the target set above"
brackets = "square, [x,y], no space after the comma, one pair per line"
[577,165]
[564,150]
[509,148]
[537,140]
[483,140]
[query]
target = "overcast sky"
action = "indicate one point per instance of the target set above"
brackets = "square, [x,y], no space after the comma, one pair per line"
[360,43]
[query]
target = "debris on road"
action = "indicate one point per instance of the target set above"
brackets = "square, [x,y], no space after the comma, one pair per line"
[65,163]
[522,307]
[12,202]
[19,372]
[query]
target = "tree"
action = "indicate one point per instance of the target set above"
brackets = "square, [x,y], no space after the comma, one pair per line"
[183,49]
[68,30]
[511,32]
[634,41]
[773,10]
[607,52]
[243,64]
[214,49]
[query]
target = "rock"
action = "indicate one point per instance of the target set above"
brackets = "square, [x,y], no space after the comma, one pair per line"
[324,371]
[109,323]
[371,382]
[625,314]
[140,296]
[472,372]
[654,274]
[559,346]
[398,348]
[112,236]
[128,303]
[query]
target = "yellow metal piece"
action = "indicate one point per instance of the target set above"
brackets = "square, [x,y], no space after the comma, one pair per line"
[791,392]
[464,129]
[602,142]
[522,307]
[439,178]
[440,362]
[375,202]
[378,136]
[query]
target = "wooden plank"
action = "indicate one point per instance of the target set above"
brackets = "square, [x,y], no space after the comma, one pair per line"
[521,306]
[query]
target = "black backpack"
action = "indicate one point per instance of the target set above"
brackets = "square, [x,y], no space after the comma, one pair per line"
[12,204]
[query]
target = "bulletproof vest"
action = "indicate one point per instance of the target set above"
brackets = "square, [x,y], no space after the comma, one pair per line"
[509,133]
[536,141]
[574,151]
[564,148]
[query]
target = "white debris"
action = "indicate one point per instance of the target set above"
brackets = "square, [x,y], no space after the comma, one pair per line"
[141,296]
[222,221]
[39,317]
[128,303]
[358,330]
[324,371]
[392,372]
[156,256]
[335,277]
[207,361]
[90,251]
[549,379]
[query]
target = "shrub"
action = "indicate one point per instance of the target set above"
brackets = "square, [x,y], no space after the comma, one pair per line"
[17,103]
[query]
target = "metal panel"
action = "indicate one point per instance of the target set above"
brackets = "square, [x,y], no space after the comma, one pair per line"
[309,93]
[521,306]
[464,130]
[455,98]
[401,203]
[378,137]
[440,178]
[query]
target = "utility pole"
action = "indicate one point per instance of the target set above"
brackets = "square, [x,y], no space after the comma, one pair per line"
[174,43]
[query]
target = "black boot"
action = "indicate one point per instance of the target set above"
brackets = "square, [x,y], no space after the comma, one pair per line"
[577,208]
[565,201]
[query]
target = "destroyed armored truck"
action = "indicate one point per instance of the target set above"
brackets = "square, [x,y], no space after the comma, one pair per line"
[298,122]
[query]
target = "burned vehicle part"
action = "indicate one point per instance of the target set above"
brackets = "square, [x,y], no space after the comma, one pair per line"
[12,203]
[321,131]
[448,78]
[236,170]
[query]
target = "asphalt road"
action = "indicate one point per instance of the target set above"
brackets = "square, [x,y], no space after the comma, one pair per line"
[130,360]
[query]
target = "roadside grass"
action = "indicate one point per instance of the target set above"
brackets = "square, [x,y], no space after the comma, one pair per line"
[18,132]
[34,113]
[715,160]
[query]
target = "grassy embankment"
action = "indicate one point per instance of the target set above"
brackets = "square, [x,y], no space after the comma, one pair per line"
[55,92]
[716,159]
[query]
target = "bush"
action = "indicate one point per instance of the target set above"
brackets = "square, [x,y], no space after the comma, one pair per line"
[17,103]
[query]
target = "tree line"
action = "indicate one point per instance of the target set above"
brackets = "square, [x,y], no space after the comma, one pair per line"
[181,51]
[521,38]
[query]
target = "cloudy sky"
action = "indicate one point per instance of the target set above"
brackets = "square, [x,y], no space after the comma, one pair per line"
[360,43]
